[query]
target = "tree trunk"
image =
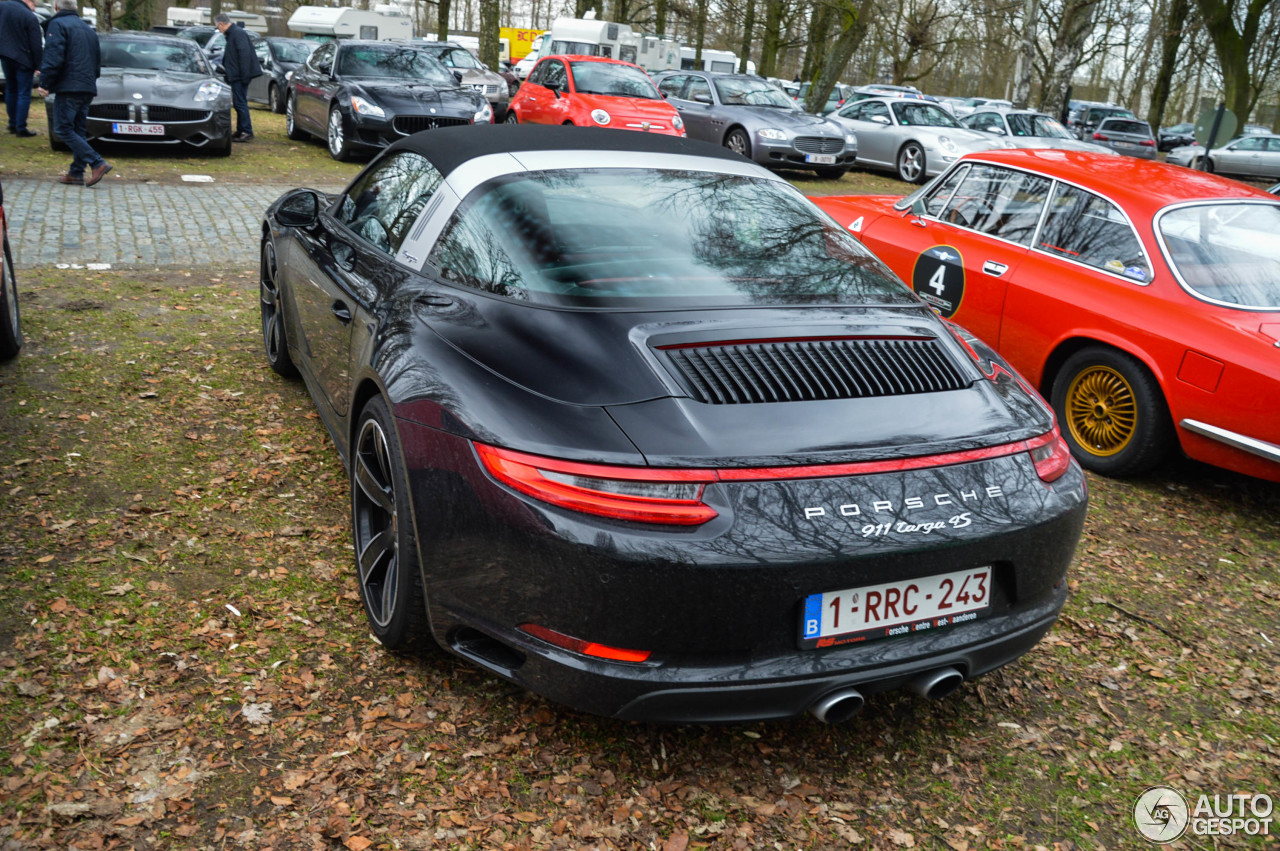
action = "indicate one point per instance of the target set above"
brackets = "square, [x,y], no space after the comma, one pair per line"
[854,16]
[1068,46]
[442,19]
[1027,55]
[770,39]
[700,32]
[748,26]
[490,17]
[660,17]
[1174,29]
[1234,48]
[820,21]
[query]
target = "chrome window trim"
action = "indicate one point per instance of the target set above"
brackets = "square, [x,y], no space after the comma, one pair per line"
[1164,249]
[463,180]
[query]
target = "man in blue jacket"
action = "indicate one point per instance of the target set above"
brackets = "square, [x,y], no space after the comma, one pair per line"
[21,49]
[70,70]
[240,61]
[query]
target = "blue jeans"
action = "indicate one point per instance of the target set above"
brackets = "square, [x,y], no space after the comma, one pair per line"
[240,103]
[70,122]
[17,92]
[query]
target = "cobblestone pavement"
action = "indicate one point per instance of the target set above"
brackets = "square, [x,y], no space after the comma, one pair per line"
[136,224]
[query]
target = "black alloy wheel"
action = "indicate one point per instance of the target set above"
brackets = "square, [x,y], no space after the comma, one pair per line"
[275,340]
[382,529]
[511,117]
[339,140]
[10,320]
[274,101]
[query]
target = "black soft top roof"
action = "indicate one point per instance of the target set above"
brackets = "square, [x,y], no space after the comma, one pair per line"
[449,147]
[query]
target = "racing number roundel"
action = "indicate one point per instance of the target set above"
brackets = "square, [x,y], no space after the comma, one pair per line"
[939,279]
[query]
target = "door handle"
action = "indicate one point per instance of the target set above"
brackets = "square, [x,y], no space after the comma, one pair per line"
[341,311]
[994,269]
[435,300]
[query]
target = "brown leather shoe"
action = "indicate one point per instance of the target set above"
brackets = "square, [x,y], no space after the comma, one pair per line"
[71,179]
[97,174]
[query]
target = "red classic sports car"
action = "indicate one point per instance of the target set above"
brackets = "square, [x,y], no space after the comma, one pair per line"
[591,91]
[1142,299]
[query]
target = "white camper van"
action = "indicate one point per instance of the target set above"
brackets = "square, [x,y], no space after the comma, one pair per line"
[590,37]
[338,22]
[713,60]
[176,16]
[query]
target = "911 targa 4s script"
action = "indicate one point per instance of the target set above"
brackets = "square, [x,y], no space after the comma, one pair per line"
[632,423]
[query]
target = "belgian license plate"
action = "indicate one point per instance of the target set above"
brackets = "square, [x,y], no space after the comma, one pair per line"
[820,159]
[1123,144]
[895,608]
[121,129]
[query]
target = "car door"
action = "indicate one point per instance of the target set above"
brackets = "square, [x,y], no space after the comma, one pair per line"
[960,256]
[1243,156]
[309,96]
[871,122]
[702,118]
[543,92]
[1087,265]
[351,250]
[258,85]
[1269,162]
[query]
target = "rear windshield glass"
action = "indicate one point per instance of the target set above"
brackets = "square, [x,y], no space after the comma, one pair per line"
[1119,125]
[1226,252]
[641,237]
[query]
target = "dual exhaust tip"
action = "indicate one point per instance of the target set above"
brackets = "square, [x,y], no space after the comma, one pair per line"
[842,704]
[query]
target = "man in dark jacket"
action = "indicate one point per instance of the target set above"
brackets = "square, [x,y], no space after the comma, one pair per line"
[21,49]
[70,70]
[240,61]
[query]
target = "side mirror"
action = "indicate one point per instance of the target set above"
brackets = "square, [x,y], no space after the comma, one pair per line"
[457,76]
[702,97]
[999,131]
[918,208]
[299,209]
[879,119]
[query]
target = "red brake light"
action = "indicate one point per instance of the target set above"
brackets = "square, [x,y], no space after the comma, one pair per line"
[587,648]
[642,494]
[1148,143]
[1050,455]
[1099,137]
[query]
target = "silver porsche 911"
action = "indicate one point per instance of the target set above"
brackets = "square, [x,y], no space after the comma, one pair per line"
[915,138]
[156,89]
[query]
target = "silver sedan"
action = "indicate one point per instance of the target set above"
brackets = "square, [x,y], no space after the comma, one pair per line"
[1254,155]
[748,115]
[1026,128]
[915,138]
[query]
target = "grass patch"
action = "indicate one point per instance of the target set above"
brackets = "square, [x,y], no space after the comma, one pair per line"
[184,661]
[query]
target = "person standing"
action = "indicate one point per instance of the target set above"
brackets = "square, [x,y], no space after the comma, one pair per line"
[21,49]
[71,67]
[240,62]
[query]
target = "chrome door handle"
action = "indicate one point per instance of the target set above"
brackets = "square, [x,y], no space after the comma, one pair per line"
[994,269]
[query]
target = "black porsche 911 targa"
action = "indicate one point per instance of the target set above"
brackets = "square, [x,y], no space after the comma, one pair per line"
[632,423]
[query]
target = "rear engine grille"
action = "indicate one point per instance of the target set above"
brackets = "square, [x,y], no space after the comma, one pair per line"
[173,113]
[808,370]
[819,144]
[111,111]
[407,124]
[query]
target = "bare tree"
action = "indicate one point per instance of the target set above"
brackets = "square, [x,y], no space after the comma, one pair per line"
[1074,28]
[1234,27]
[854,20]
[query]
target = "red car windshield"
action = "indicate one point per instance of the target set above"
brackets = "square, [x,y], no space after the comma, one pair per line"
[606,78]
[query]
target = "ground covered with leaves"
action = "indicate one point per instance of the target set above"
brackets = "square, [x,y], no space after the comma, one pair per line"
[184,661]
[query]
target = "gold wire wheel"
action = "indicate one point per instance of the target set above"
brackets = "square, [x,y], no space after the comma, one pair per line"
[1101,411]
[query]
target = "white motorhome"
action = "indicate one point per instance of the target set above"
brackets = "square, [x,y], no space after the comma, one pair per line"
[176,16]
[385,24]
[658,53]
[589,37]
[725,61]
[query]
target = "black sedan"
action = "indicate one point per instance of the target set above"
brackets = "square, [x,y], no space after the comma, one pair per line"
[1176,136]
[633,424]
[366,94]
[278,56]
[159,90]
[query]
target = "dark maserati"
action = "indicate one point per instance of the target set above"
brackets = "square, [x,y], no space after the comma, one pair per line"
[156,89]
[366,94]
[632,423]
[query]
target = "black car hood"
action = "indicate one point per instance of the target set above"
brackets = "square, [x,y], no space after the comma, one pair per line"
[121,84]
[621,361]
[408,96]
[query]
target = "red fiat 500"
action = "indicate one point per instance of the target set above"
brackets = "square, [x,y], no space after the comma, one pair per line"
[1142,299]
[590,91]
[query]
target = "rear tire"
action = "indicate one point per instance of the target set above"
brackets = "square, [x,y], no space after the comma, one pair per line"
[1208,166]
[274,101]
[511,117]
[291,128]
[1111,412]
[382,531]
[10,320]
[912,167]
